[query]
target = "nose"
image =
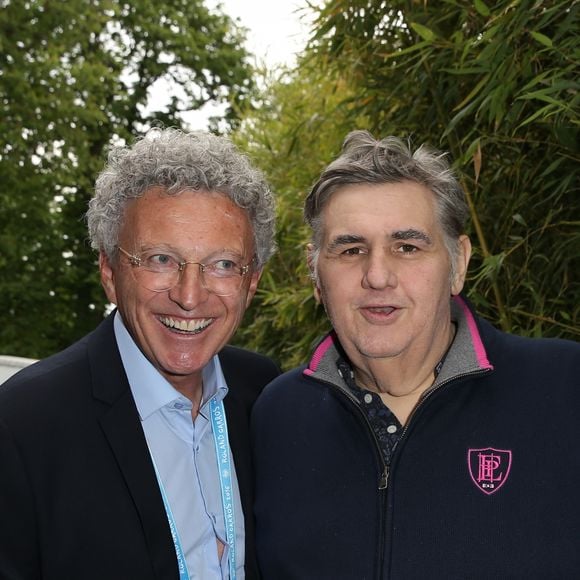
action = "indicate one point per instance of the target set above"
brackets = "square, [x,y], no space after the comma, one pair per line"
[189,290]
[379,272]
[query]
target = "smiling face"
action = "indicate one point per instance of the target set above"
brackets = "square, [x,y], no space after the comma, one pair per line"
[384,273]
[179,330]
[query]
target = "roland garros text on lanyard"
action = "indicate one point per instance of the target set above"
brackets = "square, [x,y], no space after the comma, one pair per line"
[222,449]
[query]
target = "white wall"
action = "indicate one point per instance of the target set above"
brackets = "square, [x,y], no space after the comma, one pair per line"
[12,364]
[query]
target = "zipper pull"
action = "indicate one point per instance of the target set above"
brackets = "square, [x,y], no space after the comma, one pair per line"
[384,478]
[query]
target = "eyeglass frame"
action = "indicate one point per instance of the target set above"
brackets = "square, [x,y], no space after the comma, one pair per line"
[136,262]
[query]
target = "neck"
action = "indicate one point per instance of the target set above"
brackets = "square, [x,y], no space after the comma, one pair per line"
[400,381]
[192,391]
[400,398]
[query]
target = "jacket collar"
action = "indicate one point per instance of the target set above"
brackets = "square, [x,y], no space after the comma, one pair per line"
[467,354]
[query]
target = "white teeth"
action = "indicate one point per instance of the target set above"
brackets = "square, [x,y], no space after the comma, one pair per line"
[187,325]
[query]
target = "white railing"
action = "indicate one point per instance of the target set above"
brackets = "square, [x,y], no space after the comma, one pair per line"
[12,364]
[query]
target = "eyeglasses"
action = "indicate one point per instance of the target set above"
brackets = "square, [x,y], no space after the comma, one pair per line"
[159,271]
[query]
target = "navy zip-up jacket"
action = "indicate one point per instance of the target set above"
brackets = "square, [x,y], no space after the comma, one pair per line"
[484,482]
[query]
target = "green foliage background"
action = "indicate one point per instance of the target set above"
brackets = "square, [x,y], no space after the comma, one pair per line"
[74,77]
[493,83]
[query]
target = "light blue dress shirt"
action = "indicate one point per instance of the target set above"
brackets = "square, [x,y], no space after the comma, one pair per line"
[184,453]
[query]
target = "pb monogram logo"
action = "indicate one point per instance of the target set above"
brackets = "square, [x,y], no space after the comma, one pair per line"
[489,468]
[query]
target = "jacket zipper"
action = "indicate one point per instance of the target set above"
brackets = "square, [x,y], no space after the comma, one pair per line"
[383,478]
[429,392]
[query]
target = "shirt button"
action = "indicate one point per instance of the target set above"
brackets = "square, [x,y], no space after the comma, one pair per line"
[392,429]
[178,405]
[368,398]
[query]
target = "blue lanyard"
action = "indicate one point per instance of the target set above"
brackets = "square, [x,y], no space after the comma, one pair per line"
[222,449]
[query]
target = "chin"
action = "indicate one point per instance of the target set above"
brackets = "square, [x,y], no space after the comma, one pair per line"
[379,352]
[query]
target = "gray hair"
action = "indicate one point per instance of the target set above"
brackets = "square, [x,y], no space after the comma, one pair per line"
[366,160]
[177,162]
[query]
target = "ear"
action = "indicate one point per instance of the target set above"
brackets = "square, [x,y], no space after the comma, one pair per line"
[310,253]
[317,294]
[461,264]
[107,277]
[254,279]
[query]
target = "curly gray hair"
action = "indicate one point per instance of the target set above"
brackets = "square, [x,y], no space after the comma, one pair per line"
[366,160]
[177,162]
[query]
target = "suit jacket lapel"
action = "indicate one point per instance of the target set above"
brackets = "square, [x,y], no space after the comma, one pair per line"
[239,438]
[120,422]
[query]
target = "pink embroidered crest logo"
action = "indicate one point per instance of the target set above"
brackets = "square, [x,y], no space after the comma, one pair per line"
[489,468]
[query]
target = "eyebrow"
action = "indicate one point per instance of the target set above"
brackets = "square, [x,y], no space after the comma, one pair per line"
[344,240]
[411,234]
[164,247]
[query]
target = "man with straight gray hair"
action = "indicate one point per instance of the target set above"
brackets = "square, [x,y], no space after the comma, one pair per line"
[126,456]
[419,441]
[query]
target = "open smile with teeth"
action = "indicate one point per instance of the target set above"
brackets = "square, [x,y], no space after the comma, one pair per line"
[190,326]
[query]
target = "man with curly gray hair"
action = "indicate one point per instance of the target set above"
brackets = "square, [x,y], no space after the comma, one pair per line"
[127,454]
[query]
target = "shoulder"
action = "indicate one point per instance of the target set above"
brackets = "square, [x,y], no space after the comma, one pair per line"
[246,372]
[288,388]
[506,350]
[39,400]
[552,359]
[253,363]
[58,369]
[288,379]
[295,399]
[62,377]
[526,347]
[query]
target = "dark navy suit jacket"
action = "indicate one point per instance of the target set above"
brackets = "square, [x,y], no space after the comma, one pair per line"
[78,493]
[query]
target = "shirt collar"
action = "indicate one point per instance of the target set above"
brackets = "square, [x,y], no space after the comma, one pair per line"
[150,389]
